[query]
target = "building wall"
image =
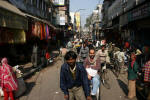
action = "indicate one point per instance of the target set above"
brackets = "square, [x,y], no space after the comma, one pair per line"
[34,7]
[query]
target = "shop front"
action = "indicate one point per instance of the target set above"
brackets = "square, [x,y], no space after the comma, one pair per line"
[13,26]
[139,23]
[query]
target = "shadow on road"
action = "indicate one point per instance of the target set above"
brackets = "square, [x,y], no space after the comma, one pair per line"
[29,87]
[123,86]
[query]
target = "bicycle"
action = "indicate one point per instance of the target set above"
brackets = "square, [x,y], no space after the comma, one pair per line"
[104,76]
[117,68]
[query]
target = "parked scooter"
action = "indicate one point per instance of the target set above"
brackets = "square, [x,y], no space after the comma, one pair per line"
[50,60]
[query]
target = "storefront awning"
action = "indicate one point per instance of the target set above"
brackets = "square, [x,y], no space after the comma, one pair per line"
[12,17]
[41,20]
[5,5]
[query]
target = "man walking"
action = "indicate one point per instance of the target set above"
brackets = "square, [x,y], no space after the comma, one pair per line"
[73,79]
[83,53]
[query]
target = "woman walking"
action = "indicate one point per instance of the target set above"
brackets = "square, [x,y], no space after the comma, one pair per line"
[132,76]
[8,80]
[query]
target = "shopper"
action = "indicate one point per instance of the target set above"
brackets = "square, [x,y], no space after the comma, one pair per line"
[8,80]
[132,76]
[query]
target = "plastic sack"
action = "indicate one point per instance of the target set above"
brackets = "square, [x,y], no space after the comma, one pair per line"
[21,87]
[1,92]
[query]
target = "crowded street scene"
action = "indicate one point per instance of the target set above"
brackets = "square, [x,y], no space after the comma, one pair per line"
[74,50]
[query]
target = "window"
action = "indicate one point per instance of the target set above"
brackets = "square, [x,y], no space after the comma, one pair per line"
[31,2]
[45,7]
[38,4]
[42,4]
[34,2]
[27,1]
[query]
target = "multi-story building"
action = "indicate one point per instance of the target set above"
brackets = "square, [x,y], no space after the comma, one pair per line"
[96,21]
[126,20]
[63,17]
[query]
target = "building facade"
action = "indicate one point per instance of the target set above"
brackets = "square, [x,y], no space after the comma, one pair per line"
[24,23]
[127,20]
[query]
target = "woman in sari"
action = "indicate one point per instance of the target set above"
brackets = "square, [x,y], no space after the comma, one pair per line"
[132,76]
[8,80]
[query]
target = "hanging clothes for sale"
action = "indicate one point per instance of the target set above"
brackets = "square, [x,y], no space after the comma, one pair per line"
[33,32]
[44,32]
[41,36]
[50,33]
[38,29]
[47,32]
[47,28]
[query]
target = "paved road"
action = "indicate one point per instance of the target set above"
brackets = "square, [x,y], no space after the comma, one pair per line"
[115,92]
[45,86]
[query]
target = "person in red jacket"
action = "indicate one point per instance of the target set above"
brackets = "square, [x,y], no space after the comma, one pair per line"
[8,80]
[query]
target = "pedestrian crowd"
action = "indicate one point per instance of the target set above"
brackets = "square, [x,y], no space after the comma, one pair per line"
[83,61]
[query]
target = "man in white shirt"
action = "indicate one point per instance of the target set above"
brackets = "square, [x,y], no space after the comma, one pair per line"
[102,54]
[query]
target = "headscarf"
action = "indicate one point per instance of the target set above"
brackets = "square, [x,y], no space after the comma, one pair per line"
[4,62]
[133,60]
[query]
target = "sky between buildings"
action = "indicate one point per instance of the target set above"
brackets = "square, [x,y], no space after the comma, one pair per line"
[88,5]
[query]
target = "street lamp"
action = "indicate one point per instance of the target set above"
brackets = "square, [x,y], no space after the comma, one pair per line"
[80,18]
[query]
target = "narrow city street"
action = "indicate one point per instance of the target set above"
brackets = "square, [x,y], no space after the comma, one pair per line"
[35,33]
[44,85]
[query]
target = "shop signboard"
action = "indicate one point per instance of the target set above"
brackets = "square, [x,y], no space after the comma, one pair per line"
[62,20]
[140,12]
[77,18]
[59,2]
[62,8]
[12,20]
[72,17]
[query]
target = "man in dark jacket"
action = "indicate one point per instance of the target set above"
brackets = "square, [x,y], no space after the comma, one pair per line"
[73,79]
